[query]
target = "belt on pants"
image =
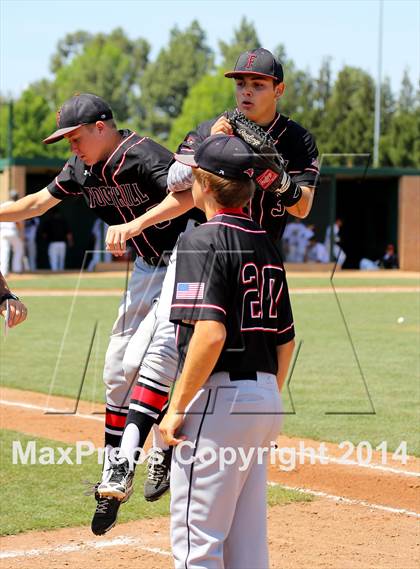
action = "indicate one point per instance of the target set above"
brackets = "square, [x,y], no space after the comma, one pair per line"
[157,261]
[238,376]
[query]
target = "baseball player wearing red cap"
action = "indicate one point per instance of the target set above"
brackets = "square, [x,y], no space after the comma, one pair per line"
[235,335]
[120,175]
[259,86]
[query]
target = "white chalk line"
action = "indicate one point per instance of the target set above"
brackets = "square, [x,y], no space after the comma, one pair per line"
[133,542]
[344,500]
[116,542]
[355,290]
[347,462]
[372,466]
[50,410]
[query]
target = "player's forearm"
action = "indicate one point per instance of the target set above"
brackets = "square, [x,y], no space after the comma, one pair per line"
[29,206]
[203,352]
[284,357]
[302,208]
[174,205]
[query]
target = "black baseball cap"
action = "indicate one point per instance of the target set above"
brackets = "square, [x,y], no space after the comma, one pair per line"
[77,111]
[257,62]
[224,155]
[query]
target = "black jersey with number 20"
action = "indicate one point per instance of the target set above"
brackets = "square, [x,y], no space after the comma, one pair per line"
[228,270]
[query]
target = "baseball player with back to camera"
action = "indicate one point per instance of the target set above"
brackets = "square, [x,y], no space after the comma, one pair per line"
[235,335]
[259,86]
[120,175]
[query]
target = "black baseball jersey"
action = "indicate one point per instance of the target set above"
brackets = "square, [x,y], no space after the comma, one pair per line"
[298,149]
[130,182]
[229,270]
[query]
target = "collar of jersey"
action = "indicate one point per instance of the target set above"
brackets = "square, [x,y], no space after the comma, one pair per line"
[231,211]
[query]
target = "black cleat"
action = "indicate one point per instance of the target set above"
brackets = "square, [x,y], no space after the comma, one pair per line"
[105,516]
[158,474]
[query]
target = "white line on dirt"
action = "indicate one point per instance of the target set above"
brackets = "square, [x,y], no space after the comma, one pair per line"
[372,466]
[347,500]
[50,410]
[118,541]
[348,462]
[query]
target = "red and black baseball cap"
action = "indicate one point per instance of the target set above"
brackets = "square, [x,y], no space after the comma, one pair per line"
[224,155]
[77,111]
[257,62]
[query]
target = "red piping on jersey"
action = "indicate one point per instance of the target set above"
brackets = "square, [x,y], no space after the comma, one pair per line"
[272,125]
[63,190]
[236,227]
[119,187]
[250,208]
[282,132]
[199,306]
[104,177]
[285,330]
[118,147]
[261,207]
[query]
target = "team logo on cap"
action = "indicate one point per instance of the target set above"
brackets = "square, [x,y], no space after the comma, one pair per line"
[250,62]
[250,172]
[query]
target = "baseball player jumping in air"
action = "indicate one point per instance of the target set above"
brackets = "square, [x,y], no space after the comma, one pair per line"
[120,175]
[259,86]
[235,335]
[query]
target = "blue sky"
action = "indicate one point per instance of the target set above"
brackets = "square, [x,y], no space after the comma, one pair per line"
[310,29]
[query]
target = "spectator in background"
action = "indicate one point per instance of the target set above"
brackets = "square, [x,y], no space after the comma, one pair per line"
[31,228]
[316,252]
[99,230]
[338,253]
[56,232]
[11,241]
[390,259]
[295,239]
[306,234]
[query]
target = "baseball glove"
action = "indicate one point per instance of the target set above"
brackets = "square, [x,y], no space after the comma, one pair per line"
[270,175]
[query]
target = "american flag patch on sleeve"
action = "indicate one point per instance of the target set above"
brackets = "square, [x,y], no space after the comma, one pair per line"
[193,291]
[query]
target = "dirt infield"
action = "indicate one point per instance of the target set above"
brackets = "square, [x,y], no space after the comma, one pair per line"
[363,518]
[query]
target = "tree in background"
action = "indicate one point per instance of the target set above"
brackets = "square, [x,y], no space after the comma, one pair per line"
[168,80]
[167,97]
[212,95]
[400,143]
[349,116]
[245,38]
[109,65]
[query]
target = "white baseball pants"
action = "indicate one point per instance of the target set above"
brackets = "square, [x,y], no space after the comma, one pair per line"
[219,515]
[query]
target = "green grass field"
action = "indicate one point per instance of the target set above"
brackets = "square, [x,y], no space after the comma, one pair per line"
[326,400]
[90,281]
[42,356]
[45,496]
